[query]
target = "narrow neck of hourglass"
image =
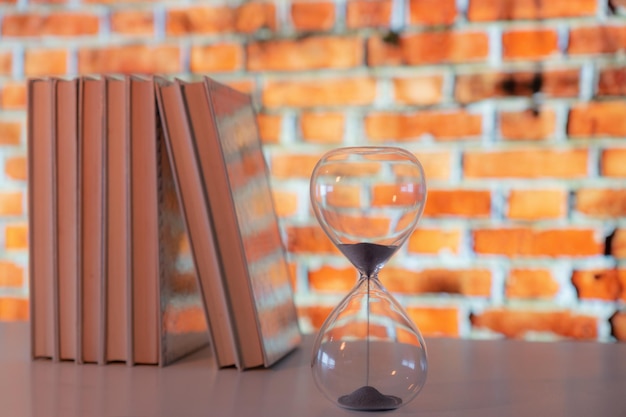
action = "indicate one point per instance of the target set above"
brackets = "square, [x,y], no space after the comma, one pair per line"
[372,277]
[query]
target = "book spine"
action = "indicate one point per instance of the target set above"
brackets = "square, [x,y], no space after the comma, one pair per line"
[42,267]
[66,214]
[92,221]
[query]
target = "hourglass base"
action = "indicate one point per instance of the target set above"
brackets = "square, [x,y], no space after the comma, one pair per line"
[368,398]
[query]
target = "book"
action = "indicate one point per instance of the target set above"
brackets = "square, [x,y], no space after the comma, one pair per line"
[192,196]
[256,275]
[66,238]
[42,223]
[167,313]
[117,221]
[91,220]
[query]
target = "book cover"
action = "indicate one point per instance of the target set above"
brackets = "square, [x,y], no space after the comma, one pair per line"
[246,227]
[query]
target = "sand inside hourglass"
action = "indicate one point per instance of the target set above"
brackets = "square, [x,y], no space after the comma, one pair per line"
[367,257]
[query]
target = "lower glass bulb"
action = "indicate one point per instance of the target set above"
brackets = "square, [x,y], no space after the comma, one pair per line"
[369,355]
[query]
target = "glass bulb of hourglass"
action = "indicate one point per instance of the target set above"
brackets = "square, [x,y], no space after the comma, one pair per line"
[368,354]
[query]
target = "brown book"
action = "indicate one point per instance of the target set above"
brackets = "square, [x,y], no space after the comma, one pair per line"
[193,200]
[145,222]
[66,100]
[166,306]
[246,228]
[42,225]
[117,197]
[91,220]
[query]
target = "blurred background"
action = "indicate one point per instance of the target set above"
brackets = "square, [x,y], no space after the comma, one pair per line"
[515,108]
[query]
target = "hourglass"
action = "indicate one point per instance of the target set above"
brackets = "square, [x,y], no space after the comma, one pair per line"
[368,355]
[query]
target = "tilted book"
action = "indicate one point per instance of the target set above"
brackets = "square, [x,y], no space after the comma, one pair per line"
[193,200]
[221,127]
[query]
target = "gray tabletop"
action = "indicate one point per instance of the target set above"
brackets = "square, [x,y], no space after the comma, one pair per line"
[466,378]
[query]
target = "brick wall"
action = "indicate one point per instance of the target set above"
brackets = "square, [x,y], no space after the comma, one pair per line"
[515,107]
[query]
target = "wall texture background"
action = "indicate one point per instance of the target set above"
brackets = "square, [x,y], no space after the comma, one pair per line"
[516,109]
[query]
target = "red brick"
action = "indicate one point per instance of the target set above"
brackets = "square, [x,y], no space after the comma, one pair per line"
[16,236]
[314,315]
[11,203]
[488,10]
[200,20]
[527,124]
[618,326]
[216,58]
[6,62]
[530,242]
[434,241]
[289,166]
[269,127]
[517,323]
[436,321]
[246,86]
[285,203]
[11,275]
[10,133]
[531,283]
[553,83]
[331,279]
[420,90]
[253,16]
[437,165]
[429,48]
[41,62]
[15,167]
[612,82]
[130,59]
[600,284]
[432,12]
[184,320]
[450,125]
[13,96]
[53,24]
[598,119]
[323,127]
[526,163]
[132,22]
[305,54]
[352,91]
[596,40]
[313,16]
[13,309]
[368,13]
[537,204]
[618,244]
[612,162]
[601,202]
[293,275]
[467,282]
[462,203]
[529,44]
[309,239]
